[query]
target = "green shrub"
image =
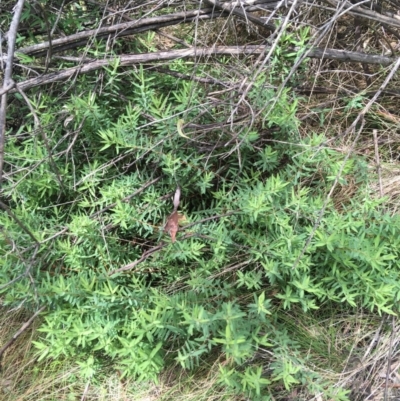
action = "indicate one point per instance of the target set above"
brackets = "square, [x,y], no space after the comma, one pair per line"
[216,294]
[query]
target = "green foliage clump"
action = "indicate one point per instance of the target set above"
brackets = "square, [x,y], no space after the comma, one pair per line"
[255,241]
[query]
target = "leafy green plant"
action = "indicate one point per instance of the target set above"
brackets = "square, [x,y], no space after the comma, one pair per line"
[254,244]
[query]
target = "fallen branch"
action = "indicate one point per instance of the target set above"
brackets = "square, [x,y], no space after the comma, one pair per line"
[132,59]
[231,8]
[359,11]
[12,36]
[119,30]
[146,24]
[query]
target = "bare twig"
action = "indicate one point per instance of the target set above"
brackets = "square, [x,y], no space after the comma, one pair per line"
[27,270]
[389,359]
[12,36]
[19,332]
[144,256]
[85,391]
[232,9]
[377,160]
[218,216]
[7,88]
[18,221]
[369,14]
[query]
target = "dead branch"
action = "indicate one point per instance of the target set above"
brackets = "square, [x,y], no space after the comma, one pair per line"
[127,198]
[12,36]
[119,30]
[368,14]
[132,59]
[153,23]
[232,8]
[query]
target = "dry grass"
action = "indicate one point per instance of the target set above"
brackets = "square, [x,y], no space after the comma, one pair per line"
[355,351]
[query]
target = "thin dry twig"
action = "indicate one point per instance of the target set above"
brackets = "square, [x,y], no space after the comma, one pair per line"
[27,270]
[232,9]
[19,222]
[377,160]
[119,30]
[389,359]
[144,256]
[19,332]
[12,36]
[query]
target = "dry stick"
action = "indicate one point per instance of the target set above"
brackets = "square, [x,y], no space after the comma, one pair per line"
[85,391]
[144,256]
[19,332]
[179,75]
[12,35]
[136,26]
[127,18]
[317,38]
[7,88]
[389,360]
[16,251]
[368,14]
[259,66]
[235,11]
[154,23]
[360,116]
[209,218]
[377,160]
[123,29]
[127,60]
[18,221]
[375,339]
